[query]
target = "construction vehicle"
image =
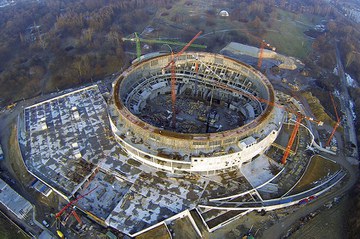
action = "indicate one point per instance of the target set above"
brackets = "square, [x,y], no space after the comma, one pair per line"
[337,122]
[60,234]
[9,107]
[171,63]
[138,40]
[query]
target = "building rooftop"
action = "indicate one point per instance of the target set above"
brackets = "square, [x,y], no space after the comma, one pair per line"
[60,131]
[13,201]
[128,196]
[64,149]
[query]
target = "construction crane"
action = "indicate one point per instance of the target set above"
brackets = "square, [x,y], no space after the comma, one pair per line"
[197,75]
[263,44]
[76,217]
[337,122]
[73,212]
[138,40]
[299,116]
[173,76]
[58,215]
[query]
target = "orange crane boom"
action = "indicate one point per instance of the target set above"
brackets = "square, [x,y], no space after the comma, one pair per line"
[173,90]
[173,76]
[76,217]
[262,45]
[292,138]
[197,74]
[184,49]
[337,122]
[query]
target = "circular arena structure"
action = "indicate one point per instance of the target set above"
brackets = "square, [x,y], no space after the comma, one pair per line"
[222,115]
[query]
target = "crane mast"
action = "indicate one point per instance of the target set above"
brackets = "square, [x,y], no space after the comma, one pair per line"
[262,45]
[173,76]
[58,215]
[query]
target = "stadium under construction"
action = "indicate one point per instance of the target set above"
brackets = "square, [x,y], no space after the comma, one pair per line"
[201,140]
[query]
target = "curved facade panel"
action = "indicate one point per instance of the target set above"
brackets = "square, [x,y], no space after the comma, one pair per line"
[220,106]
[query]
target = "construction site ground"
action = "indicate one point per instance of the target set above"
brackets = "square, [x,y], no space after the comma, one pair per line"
[317,170]
[22,179]
[253,219]
[159,232]
[329,223]
[182,228]
[192,114]
[316,220]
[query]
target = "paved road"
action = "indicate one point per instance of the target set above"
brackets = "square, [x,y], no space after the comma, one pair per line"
[349,129]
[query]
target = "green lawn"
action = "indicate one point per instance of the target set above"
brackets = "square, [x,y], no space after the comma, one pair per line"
[287,34]
[9,230]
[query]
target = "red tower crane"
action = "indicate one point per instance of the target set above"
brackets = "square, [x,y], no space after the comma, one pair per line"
[173,75]
[76,216]
[58,215]
[197,74]
[299,118]
[263,44]
[337,122]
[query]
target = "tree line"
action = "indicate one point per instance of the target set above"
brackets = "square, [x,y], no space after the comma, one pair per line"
[55,44]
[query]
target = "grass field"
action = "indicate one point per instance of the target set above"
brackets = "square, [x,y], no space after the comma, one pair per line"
[287,33]
[159,232]
[318,169]
[8,230]
[318,110]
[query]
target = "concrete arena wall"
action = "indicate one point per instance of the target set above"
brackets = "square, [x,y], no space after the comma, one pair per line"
[203,165]
[199,164]
[189,141]
[153,65]
[194,142]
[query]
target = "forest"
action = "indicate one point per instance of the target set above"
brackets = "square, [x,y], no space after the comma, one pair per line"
[57,44]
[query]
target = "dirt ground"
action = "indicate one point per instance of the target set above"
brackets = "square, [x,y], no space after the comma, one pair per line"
[318,169]
[330,223]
